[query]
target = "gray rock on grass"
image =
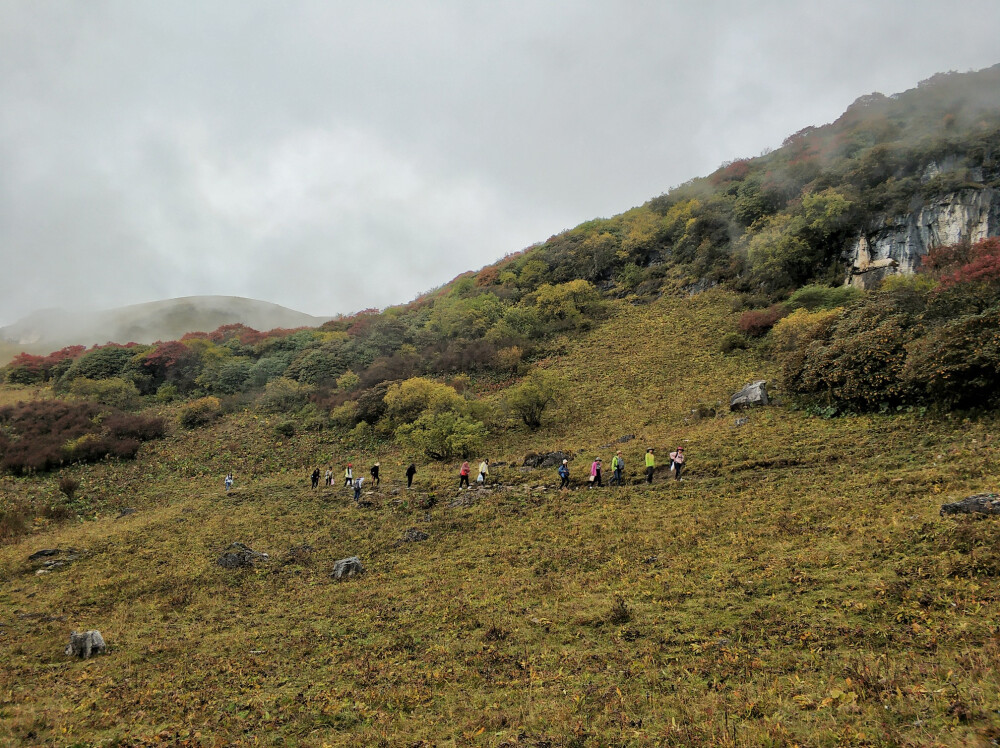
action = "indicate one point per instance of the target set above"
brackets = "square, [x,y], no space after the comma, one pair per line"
[85,645]
[347,567]
[754,393]
[980,503]
[239,556]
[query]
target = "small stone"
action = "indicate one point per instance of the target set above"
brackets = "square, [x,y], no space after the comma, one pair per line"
[239,556]
[347,567]
[413,535]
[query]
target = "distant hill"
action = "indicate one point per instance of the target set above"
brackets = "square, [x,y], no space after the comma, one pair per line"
[51,329]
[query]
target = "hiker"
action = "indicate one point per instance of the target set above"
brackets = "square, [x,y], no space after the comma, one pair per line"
[650,465]
[375,479]
[564,474]
[410,472]
[484,471]
[595,473]
[229,482]
[463,475]
[315,478]
[348,476]
[328,477]
[357,489]
[678,462]
[618,466]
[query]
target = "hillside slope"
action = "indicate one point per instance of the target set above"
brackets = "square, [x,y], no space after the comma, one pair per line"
[798,588]
[169,319]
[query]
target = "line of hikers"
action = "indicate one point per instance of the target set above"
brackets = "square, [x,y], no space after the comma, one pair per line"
[618,469]
[595,479]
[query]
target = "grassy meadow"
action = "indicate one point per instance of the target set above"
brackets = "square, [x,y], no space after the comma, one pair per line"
[797,588]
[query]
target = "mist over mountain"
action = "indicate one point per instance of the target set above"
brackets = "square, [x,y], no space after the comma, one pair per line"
[169,319]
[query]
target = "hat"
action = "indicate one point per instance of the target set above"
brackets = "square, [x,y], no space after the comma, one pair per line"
[618,452]
[565,461]
[650,449]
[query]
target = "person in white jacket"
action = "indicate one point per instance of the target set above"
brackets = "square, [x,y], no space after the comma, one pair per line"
[484,471]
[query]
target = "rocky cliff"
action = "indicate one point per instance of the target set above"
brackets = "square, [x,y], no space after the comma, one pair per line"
[897,244]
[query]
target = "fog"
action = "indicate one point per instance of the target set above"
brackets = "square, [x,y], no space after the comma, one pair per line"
[330,156]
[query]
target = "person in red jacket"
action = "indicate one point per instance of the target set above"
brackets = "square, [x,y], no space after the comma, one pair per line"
[463,475]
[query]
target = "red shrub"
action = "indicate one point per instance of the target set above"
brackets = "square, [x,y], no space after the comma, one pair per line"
[757,322]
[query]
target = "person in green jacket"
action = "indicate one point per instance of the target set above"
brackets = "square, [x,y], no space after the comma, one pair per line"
[618,467]
[650,465]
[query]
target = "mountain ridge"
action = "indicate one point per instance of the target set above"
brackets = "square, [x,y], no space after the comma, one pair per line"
[165,319]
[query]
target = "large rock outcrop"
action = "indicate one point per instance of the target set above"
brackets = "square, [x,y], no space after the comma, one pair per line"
[897,244]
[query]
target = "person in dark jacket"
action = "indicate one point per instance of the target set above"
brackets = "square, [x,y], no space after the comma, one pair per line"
[315,478]
[410,472]
[375,478]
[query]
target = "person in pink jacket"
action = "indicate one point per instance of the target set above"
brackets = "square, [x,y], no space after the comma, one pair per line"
[595,473]
[463,475]
[678,457]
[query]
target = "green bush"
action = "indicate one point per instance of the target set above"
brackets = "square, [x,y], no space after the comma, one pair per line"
[200,412]
[733,341]
[285,429]
[529,399]
[444,436]
[816,296]
[115,392]
[283,396]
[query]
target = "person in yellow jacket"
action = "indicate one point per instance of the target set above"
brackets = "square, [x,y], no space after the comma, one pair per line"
[650,465]
[618,469]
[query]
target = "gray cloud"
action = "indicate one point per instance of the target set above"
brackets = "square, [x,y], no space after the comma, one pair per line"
[331,156]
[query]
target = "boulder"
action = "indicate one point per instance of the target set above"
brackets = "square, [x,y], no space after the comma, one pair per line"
[626,438]
[980,503]
[85,645]
[741,422]
[347,567]
[413,535]
[546,459]
[239,556]
[752,394]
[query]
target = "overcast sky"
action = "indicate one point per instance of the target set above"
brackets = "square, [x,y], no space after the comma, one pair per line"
[333,156]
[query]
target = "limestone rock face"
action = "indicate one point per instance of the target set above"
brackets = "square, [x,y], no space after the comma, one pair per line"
[897,245]
[752,394]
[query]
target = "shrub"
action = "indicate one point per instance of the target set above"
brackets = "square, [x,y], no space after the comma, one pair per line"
[200,412]
[283,396]
[115,392]
[15,521]
[444,436]
[815,297]
[957,363]
[407,401]
[529,399]
[757,322]
[733,341]
[140,428]
[345,415]
[285,429]
[107,362]
[68,486]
